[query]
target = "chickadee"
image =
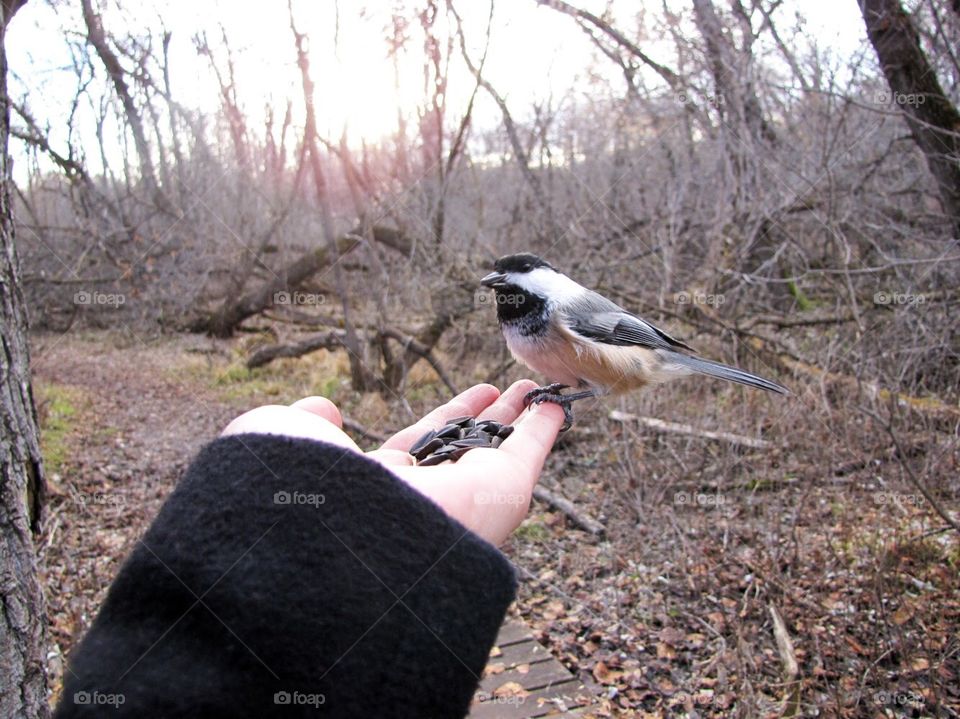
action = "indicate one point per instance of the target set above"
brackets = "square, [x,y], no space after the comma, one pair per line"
[579,338]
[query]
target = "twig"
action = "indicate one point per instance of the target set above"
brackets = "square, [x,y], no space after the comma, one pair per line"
[266,355]
[418,348]
[566,506]
[914,479]
[788,657]
[676,428]
[497,372]
[808,319]
[358,428]
[926,405]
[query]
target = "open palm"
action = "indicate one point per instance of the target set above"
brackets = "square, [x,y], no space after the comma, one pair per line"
[488,490]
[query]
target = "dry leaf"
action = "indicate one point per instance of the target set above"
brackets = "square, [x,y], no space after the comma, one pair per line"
[605,675]
[665,651]
[510,689]
[903,615]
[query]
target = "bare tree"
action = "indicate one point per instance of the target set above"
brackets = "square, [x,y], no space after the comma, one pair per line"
[360,374]
[23,682]
[98,38]
[932,118]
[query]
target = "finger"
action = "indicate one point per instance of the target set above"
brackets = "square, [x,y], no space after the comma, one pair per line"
[471,402]
[506,409]
[321,406]
[532,439]
[289,422]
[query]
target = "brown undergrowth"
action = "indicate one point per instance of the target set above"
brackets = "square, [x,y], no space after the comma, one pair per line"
[671,611]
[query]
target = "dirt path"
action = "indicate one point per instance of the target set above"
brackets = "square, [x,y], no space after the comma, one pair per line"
[138,415]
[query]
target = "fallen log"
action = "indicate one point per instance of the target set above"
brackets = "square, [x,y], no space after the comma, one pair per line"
[661,425]
[223,321]
[925,405]
[263,356]
[566,506]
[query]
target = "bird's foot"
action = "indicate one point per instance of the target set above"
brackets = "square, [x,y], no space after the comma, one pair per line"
[551,393]
[540,391]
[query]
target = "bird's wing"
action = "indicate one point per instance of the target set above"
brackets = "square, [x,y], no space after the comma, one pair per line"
[594,317]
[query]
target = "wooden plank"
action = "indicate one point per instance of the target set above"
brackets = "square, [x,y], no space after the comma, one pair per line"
[536,676]
[528,652]
[589,712]
[535,704]
[513,631]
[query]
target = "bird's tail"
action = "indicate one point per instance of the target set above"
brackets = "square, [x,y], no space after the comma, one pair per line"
[722,371]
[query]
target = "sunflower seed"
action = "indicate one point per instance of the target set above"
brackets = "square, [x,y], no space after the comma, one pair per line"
[429,448]
[422,442]
[470,442]
[450,431]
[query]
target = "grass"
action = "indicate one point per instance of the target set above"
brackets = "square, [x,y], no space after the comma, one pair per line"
[57,407]
[280,381]
[532,531]
[322,373]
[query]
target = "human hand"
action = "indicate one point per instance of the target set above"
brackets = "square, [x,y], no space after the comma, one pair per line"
[488,490]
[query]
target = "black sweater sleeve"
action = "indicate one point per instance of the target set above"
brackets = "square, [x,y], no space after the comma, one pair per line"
[285,578]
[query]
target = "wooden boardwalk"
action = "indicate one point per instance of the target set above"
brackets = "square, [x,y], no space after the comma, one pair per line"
[523,679]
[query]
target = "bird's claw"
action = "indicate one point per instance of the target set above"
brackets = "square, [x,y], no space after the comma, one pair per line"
[551,393]
[540,391]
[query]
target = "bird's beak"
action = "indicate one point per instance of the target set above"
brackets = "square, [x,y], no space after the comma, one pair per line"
[493,279]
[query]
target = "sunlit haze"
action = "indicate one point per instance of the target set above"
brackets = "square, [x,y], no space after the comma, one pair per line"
[535,54]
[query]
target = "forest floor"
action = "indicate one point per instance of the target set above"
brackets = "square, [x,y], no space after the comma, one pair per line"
[673,611]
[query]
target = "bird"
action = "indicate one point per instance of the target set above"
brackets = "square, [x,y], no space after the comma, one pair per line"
[579,339]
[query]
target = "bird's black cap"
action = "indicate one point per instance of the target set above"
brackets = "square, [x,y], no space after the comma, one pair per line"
[523,262]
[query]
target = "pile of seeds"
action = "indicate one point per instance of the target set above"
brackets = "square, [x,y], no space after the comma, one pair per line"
[458,437]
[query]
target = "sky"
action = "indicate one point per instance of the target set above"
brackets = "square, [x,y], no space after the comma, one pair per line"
[535,53]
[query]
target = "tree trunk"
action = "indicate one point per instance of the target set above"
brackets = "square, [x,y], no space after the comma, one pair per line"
[931,117]
[23,680]
[98,39]
[361,378]
[224,321]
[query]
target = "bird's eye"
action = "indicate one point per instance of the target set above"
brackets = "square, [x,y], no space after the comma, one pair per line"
[526,267]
